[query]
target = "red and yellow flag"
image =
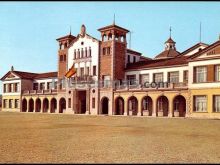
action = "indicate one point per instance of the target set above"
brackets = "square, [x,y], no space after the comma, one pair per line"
[70,72]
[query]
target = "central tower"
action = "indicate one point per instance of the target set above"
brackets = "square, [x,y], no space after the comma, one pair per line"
[112,52]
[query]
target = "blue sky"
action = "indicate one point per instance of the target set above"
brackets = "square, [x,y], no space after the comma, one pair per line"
[28,30]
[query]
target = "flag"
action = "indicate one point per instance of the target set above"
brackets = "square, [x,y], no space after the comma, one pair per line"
[70,72]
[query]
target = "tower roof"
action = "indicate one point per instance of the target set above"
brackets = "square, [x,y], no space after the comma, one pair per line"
[170,40]
[109,27]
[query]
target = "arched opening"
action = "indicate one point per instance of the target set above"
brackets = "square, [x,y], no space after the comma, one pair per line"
[116,37]
[179,106]
[132,105]
[110,36]
[53,105]
[119,106]
[38,105]
[162,106]
[147,105]
[45,105]
[31,105]
[24,105]
[62,105]
[104,37]
[105,102]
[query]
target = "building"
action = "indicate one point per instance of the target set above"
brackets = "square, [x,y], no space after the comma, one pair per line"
[111,79]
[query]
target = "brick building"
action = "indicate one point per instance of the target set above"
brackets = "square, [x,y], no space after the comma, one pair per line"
[114,80]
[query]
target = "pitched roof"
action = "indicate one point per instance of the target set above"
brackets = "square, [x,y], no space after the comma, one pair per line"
[170,40]
[205,50]
[166,62]
[133,52]
[167,54]
[67,36]
[112,26]
[193,47]
[29,75]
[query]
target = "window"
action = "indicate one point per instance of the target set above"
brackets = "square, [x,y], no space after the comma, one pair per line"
[90,52]
[185,76]
[158,77]
[74,56]
[93,102]
[5,87]
[78,54]
[106,81]
[16,103]
[15,87]
[217,73]
[64,57]
[82,53]
[201,74]
[35,86]
[86,52]
[87,70]
[134,59]
[9,87]
[131,79]
[129,60]
[69,103]
[10,103]
[49,85]
[144,78]
[61,57]
[81,72]
[176,105]
[216,103]
[55,85]
[5,102]
[94,70]
[103,51]
[146,104]
[200,103]
[173,77]
[108,50]
[42,86]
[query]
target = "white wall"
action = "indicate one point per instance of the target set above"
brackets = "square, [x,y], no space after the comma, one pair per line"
[195,50]
[90,62]
[11,82]
[200,63]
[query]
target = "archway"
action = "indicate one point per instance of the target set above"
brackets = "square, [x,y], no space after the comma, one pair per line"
[162,106]
[53,105]
[62,105]
[105,102]
[147,106]
[31,105]
[119,106]
[45,105]
[24,105]
[38,105]
[132,105]
[179,105]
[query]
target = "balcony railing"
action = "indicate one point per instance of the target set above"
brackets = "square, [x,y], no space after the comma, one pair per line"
[167,86]
[32,92]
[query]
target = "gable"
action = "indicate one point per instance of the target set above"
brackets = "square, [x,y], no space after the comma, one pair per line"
[10,76]
[214,52]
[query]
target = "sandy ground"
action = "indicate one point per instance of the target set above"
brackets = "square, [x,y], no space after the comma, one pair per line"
[60,138]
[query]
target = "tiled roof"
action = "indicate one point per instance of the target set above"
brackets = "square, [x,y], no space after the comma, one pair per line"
[29,75]
[167,54]
[193,47]
[67,36]
[181,60]
[111,26]
[133,52]
[170,40]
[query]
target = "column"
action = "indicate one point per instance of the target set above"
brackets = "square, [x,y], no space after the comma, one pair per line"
[34,106]
[170,110]
[139,108]
[28,105]
[87,102]
[125,108]
[90,68]
[48,106]
[154,114]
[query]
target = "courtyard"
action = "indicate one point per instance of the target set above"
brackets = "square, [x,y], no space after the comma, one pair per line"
[62,138]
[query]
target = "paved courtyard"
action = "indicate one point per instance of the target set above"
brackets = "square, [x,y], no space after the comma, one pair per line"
[60,138]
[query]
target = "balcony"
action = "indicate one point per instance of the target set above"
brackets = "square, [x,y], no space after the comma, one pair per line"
[152,86]
[36,92]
